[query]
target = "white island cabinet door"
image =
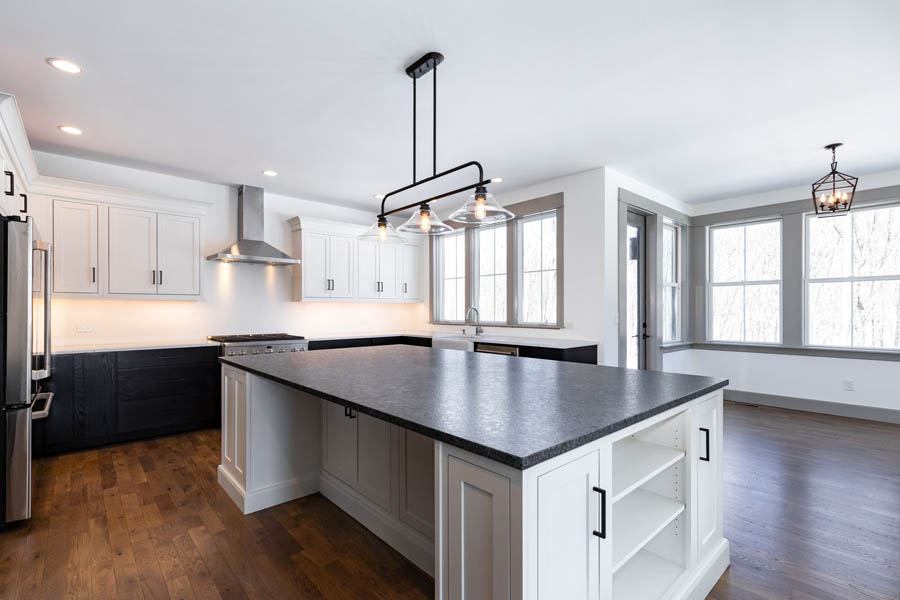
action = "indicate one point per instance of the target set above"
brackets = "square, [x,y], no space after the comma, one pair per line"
[179,255]
[410,287]
[340,265]
[568,513]
[367,282]
[132,251]
[707,420]
[75,247]
[374,459]
[314,265]
[478,530]
[339,451]
[389,271]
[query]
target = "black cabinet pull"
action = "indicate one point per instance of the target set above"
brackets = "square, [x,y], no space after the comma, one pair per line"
[602,533]
[24,203]
[706,431]
[93,274]
[160,277]
[153,272]
[12,183]
[348,412]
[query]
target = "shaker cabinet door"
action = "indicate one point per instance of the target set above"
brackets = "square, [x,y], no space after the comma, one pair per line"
[339,452]
[367,282]
[132,251]
[707,420]
[314,265]
[178,242]
[340,266]
[410,286]
[388,271]
[374,460]
[75,247]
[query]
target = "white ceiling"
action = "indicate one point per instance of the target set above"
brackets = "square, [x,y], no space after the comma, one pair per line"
[703,100]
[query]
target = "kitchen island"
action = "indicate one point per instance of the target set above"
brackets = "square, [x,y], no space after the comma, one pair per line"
[504,477]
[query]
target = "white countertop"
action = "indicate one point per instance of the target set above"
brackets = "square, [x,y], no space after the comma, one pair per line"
[541,342]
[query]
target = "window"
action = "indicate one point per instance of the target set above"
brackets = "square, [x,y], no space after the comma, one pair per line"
[537,269]
[452,276]
[745,283]
[491,275]
[511,272]
[853,279]
[671,272]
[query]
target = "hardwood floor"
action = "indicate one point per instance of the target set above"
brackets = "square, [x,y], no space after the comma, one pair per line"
[812,509]
[812,506]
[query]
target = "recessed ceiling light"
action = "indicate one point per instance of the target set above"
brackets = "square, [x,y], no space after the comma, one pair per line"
[70,130]
[66,66]
[269,173]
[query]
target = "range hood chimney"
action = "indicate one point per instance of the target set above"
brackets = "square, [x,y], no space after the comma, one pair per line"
[250,247]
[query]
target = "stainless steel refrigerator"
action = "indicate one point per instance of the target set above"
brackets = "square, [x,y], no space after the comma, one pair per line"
[25,348]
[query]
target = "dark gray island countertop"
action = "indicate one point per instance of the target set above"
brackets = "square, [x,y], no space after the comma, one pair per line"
[517,411]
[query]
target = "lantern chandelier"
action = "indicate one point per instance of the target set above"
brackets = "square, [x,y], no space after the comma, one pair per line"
[833,194]
[479,209]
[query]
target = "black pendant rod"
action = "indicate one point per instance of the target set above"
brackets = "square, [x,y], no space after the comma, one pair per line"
[414,130]
[434,127]
[471,163]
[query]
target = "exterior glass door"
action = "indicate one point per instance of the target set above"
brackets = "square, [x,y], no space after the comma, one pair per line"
[636,291]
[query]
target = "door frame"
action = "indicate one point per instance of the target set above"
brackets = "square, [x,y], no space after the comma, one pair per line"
[652,251]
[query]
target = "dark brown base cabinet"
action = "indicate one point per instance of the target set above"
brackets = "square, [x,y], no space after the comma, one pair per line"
[107,397]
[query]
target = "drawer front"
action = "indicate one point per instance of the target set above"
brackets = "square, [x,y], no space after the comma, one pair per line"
[161,397]
[136,359]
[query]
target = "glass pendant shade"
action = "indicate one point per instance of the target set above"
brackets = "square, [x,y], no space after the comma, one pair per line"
[425,222]
[383,233]
[481,209]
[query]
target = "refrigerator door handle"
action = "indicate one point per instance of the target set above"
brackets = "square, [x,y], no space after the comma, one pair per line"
[47,397]
[47,249]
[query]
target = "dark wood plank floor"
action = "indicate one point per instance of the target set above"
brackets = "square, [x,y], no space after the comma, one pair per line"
[812,509]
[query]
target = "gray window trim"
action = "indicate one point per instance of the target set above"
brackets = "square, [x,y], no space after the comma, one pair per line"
[526,208]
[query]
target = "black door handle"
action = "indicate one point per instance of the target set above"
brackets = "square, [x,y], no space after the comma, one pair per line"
[25,203]
[706,431]
[12,183]
[602,533]
[348,412]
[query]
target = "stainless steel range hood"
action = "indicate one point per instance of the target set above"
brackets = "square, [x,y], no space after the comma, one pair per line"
[250,246]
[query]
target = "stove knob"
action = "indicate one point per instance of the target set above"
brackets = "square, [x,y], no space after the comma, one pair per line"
[256,352]
[243,352]
[281,349]
[293,349]
[231,353]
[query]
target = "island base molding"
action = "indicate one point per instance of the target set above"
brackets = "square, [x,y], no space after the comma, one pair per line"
[634,515]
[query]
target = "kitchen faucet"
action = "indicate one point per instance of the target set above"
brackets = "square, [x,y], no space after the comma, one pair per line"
[478,329]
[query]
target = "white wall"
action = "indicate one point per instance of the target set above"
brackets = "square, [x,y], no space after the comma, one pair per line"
[808,377]
[237,298]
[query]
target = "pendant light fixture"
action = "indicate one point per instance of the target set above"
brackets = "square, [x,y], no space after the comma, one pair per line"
[833,194]
[424,220]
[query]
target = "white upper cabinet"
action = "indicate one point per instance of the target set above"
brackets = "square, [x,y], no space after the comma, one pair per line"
[75,242]
[389,271]
[340,265]
[411,272]
[132,251]
[378,271]
[327,266]
[368,285]
[178,255]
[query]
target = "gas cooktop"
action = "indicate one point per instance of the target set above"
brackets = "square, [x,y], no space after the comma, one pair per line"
[255,337]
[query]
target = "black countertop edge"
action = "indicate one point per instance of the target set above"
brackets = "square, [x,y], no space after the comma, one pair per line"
[517,462]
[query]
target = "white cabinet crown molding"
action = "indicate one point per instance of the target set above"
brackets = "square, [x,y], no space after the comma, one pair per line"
[314,225]
[117,196]
[15,141]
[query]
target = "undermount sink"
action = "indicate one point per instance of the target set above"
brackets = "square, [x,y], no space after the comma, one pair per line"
[454,342]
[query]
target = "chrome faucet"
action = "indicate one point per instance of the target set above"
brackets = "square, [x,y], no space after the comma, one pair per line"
[478,329]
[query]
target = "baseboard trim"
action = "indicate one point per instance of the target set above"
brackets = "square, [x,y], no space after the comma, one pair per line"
[707,573]
[250,502]
[401,537]
[839,409]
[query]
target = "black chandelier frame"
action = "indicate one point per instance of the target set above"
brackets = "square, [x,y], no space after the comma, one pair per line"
[426,64]
[834,183]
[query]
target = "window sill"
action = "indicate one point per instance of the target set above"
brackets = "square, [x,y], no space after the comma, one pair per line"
[495,325]
[854,353]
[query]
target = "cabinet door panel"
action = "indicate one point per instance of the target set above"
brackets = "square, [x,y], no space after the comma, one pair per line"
[410,287]
[75,247]
[417,481]
[367,270]
[179,255]
[340,266]
[388,267]
[568,558]
[374,460]
[314,265]
[132,251]
[339,457]
[707,417]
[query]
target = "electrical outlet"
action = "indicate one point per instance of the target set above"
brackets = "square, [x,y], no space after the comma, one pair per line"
[84,329]
[849,385]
